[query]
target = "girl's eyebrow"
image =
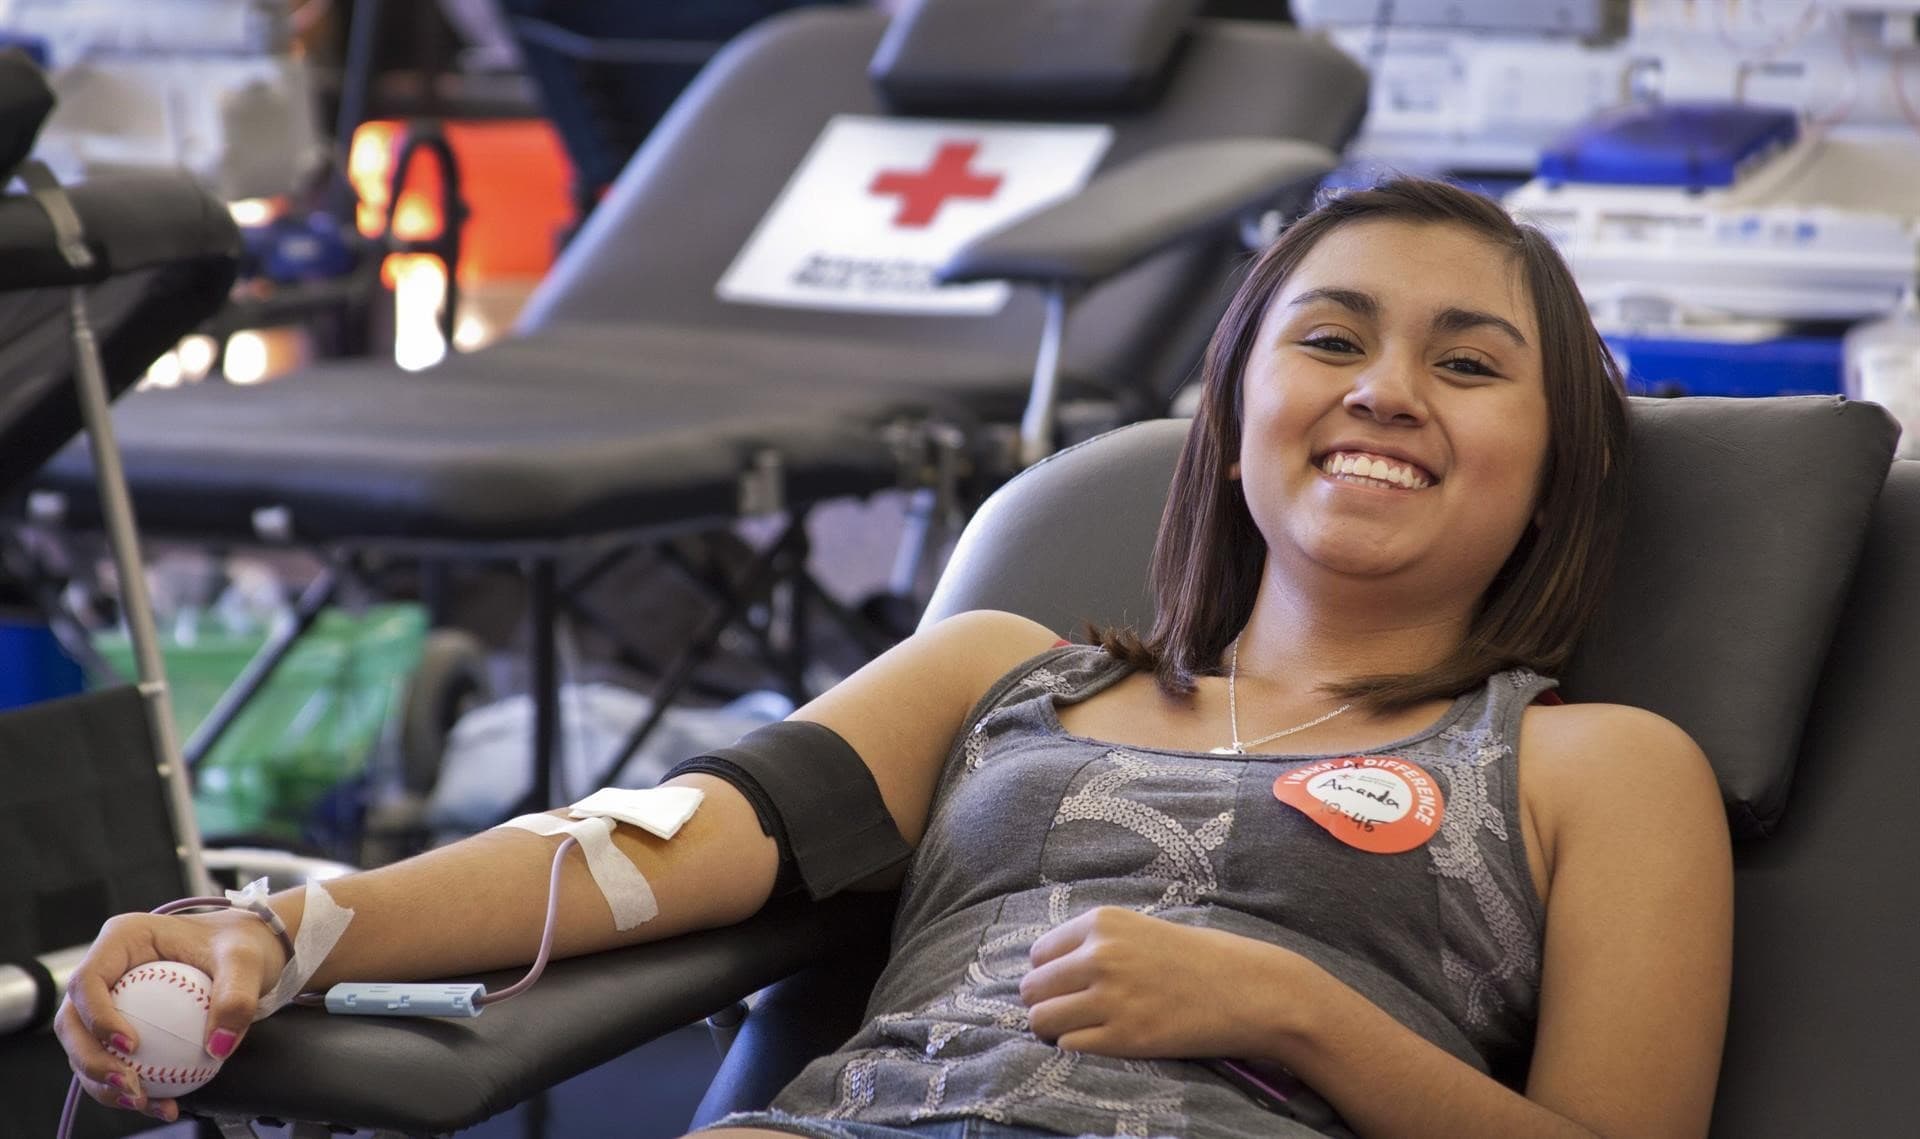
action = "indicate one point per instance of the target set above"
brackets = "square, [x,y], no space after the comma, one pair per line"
[1448,320]
[1462,319]
[1360,303]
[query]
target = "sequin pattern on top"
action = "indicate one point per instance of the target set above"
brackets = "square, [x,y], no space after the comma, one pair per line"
[1032,826]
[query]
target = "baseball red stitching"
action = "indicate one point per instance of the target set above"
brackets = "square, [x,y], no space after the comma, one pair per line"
[169,976]
[170,1075]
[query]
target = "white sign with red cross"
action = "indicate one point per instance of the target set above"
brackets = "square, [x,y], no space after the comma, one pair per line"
[879,204]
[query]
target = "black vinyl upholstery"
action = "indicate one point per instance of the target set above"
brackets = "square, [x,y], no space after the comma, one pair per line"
[164,257]
[946,55]
[1718,616]
[25,102]
[82,816]
[84,835]
[437,1076]
[1825,1014]
[1826,1011]
[541,438]
[131,221]
[730,143]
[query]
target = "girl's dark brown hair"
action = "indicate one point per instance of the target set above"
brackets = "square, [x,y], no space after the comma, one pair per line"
[1208,556]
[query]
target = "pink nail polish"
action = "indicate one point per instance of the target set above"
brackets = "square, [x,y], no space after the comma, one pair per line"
[220,1044]
[121,1042]
[117,1080]
[129,1102]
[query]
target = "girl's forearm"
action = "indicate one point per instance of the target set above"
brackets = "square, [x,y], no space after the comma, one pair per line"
[480,904]
[1384,1079]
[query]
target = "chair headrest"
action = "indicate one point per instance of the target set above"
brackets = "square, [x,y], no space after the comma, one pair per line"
[1034,56]
[25,103]
[1745,522]
[164,256]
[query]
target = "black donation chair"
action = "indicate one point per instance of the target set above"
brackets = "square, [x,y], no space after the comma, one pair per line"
[1763,602]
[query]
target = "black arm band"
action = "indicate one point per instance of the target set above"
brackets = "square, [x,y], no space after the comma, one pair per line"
[815,797]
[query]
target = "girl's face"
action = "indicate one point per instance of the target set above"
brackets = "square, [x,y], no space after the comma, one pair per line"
[1394,421]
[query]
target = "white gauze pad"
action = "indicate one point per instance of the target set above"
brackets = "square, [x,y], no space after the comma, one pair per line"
[322,921]
[659,811]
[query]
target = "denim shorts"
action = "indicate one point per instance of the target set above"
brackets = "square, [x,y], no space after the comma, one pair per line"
[850,1129]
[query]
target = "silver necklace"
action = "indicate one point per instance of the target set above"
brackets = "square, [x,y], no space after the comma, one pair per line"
[1239,747]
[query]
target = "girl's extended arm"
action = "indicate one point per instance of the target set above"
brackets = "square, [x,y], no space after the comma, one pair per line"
[480,904]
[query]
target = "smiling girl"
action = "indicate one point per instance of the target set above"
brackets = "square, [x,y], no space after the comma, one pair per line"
[1322,819]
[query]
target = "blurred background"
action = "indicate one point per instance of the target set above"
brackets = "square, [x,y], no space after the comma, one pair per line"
[1732,180]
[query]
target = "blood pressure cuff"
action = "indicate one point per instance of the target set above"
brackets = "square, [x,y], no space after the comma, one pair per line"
[817,800]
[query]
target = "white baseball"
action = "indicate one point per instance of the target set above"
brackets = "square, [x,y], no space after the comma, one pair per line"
[169,1004]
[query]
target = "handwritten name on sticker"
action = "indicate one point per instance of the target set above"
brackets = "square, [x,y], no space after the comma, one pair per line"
[1378,803]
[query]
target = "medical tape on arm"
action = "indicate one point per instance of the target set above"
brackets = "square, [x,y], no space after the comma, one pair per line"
[660,811]
[322,921]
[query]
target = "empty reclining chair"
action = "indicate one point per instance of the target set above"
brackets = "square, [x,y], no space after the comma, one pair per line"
[1737,611]
[749,322]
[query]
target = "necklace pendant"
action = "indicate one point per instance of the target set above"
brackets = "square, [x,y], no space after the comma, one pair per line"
[1228,750]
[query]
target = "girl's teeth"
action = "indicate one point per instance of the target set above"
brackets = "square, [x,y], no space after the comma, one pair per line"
[1375,470]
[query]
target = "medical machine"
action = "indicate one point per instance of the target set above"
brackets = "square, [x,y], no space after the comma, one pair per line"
[214,86]
[1691,214]
[1484,86]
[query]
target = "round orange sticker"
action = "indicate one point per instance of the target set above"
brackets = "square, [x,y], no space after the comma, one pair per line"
[1377,803]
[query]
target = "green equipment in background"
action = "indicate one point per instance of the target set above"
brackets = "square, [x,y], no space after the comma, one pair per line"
[288,768]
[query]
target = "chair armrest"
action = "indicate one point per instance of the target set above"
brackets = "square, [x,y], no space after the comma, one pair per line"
[130,221]
[438,1076]
[1153,203]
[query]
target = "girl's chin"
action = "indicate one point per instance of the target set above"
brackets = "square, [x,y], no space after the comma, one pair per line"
[1359,560]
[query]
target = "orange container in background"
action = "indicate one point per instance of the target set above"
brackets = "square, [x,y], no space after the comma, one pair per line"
[514,175]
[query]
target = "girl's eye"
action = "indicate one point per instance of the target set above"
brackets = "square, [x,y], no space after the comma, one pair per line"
[1330,343]
[1467,366]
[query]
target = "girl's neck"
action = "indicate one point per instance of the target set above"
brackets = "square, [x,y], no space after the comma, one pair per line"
[1298,640]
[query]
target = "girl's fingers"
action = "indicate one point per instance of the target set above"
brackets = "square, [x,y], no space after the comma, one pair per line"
[104,1077]
[1056,978]
[1053,1019]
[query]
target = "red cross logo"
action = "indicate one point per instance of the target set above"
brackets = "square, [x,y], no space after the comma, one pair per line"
[923,192]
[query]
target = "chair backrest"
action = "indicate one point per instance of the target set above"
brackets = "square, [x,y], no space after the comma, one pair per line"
[1826,1011]
[1747,522]
[728,148]
[84,832]
[84,835]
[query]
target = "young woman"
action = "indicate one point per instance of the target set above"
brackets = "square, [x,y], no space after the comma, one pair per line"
[1320,819]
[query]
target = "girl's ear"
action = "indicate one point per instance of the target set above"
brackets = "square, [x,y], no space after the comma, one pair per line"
[1233,472]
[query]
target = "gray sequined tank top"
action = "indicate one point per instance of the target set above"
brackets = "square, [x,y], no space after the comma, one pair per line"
[1032,825]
